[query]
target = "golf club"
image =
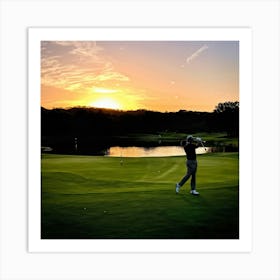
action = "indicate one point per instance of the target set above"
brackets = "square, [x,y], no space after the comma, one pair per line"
[199,140]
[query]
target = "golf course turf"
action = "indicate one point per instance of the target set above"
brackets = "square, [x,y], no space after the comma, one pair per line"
[95,197]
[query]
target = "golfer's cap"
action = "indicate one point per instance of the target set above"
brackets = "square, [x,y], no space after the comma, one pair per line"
[189,137]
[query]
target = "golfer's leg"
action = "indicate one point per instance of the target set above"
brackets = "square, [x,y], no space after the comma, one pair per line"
[186,177]
[193,180]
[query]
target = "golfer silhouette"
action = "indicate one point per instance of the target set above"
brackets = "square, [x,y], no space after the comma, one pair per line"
[189,146]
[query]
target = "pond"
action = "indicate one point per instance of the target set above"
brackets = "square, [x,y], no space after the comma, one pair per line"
[161,151]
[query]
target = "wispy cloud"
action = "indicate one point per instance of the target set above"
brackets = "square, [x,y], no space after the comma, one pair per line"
[76,65]
[197,53]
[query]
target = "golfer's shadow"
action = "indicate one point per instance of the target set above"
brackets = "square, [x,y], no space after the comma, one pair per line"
[189,198]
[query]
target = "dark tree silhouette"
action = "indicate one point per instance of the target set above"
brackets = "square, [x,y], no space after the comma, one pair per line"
[226,116]
[228,107]
[93,130]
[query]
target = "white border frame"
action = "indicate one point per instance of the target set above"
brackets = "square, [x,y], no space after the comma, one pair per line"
[243,35]
[15,261]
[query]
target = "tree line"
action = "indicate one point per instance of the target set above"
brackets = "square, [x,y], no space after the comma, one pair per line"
[104,127]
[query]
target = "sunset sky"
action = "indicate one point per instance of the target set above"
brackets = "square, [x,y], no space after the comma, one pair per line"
[130,75]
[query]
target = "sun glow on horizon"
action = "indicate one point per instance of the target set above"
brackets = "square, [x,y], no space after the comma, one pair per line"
[106,102]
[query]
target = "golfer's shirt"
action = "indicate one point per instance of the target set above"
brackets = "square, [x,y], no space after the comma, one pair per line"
[190,151]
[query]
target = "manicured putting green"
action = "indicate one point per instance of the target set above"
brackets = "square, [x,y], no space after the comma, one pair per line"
[90,197]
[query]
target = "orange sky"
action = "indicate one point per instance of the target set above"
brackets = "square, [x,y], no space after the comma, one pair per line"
[127,75]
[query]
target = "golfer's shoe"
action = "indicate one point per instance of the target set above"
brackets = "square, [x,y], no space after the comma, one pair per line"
[177,188]
[194,192]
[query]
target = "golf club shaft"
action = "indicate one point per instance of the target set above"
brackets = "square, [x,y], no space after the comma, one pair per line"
[203,146]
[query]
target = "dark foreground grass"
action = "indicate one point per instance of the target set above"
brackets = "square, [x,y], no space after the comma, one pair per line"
[100,197]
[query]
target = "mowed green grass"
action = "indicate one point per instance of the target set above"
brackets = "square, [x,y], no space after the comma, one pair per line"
[91,197]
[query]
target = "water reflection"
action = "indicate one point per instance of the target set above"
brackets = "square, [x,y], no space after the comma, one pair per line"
[163,151]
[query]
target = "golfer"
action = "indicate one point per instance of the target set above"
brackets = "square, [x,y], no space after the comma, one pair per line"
[189,146]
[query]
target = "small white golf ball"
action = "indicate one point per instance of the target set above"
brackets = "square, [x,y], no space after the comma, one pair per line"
[85,208]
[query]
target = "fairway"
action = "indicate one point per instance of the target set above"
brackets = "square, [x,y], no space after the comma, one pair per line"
[91,197]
